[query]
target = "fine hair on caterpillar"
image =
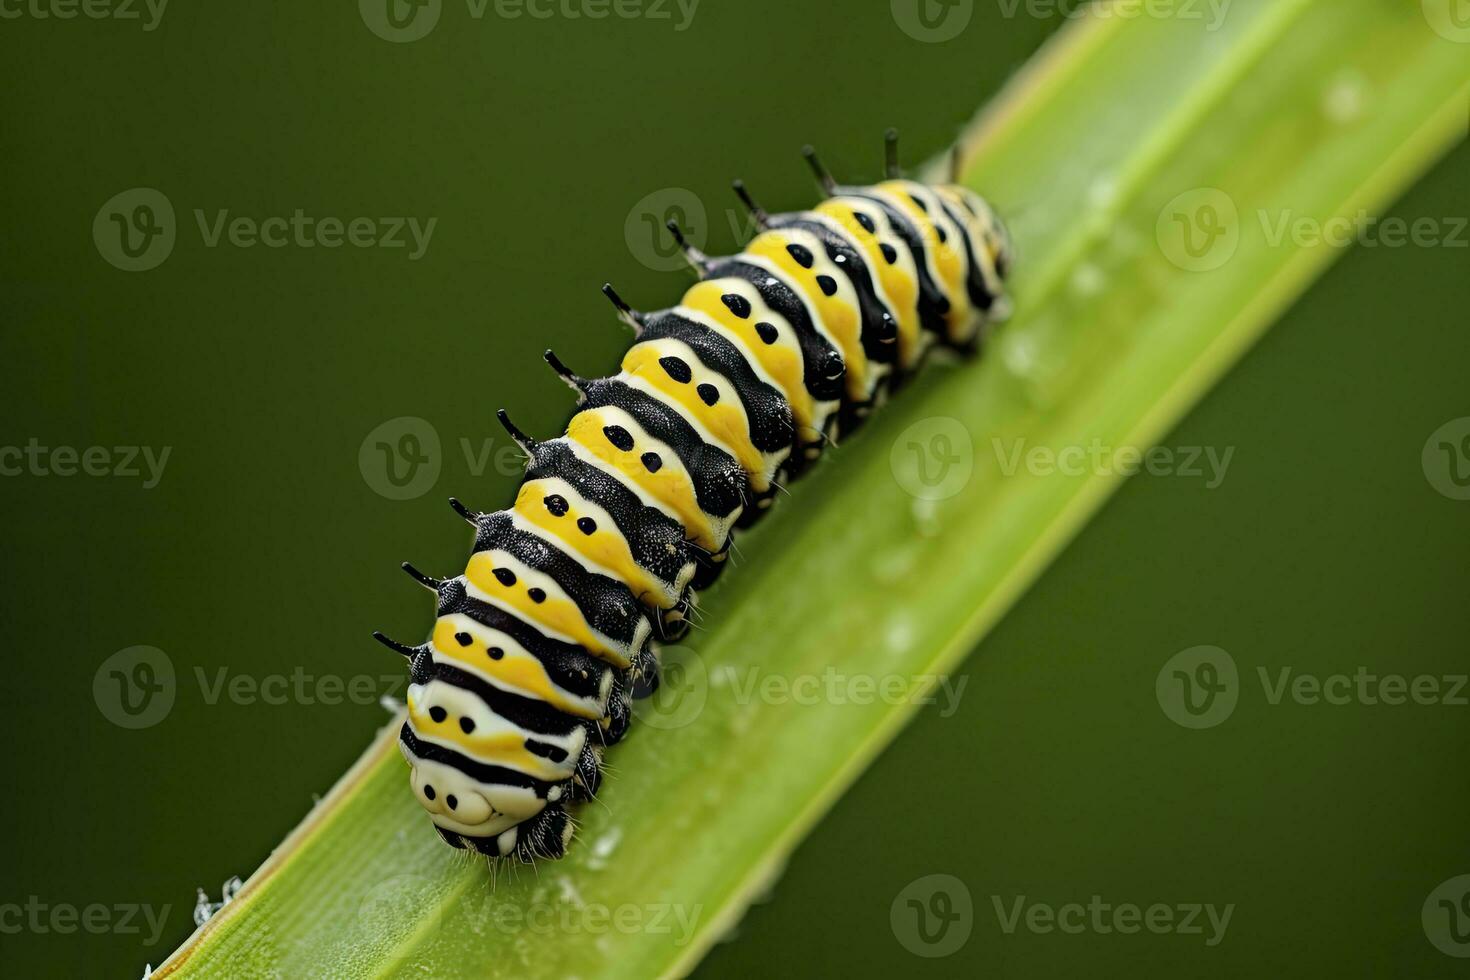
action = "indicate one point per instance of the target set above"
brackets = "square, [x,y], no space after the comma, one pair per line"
[540,644]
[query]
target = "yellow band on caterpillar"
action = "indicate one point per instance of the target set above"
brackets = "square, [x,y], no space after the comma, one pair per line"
[840,319]
[670,484]
[556,614]
[782,362]
[605,547]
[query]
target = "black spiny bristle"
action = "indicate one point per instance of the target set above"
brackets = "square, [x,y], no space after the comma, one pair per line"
[697,259]
[825,178]
[394,645]
[419,577]
[626,313]
[522,440]
[756,211]
[577,384]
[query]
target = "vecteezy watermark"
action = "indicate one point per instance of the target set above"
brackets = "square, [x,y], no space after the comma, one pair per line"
[838,687]
[1204,919]
[147,12]
[1364,230]
[686,686]
[380,913]
[646,229]
[134,688]
[299,687]
[1362,686]
[401,459]
[136,230]
[1200,230]
[683,690]
[674,920]
[937,21]
[1200,687]
[934,458]
[1450,19]
[40,917]
[130,462]
[1189,462]
[1211,13]
[932,21]
[402,21]
[932,916]
[137,687]
[1446,459]
[1446,917]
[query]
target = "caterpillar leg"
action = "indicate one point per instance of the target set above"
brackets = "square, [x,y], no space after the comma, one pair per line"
[673,623]
[708,567]
[619,708]
[544,836]
[644,675]
[761,503]
[588,779]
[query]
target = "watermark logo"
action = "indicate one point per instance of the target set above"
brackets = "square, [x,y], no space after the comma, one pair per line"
[836,687]
[135,688]
[297,688]
[135,230]
[1450,19]
[40,917]
[932,21]
[481,911]
[646,228]
[1198,687]
[1446,917]
[129,462]
[148,12]
[401,458]
[380,913]
[683,690]
[932,916]
[1211,13]
[933,458]
[1199,231]
[1103,918]
[1362,687]
[1206,463]
[1446,459]
[1362,229]
[400,21]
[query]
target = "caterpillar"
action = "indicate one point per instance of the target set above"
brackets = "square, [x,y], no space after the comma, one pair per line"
[532,664]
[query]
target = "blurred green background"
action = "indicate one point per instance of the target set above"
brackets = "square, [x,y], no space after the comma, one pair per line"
[266,550]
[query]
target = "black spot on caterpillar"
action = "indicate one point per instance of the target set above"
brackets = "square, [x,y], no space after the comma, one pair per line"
[540,643]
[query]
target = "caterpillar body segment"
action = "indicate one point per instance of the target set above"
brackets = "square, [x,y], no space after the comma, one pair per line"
[531,666]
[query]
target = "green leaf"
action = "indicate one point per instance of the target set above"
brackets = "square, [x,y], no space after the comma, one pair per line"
[1122,137]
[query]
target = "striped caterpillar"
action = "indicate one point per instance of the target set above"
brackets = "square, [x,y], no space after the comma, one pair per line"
[530,670]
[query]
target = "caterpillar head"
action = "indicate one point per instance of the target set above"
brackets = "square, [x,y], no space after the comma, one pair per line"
[467,812]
